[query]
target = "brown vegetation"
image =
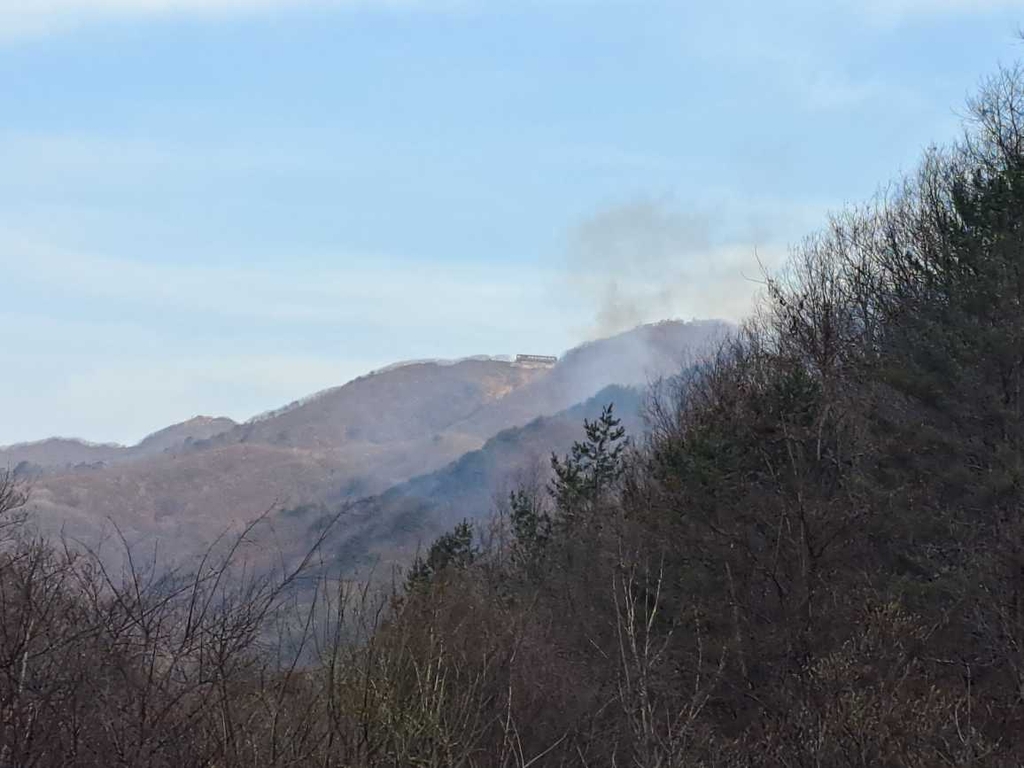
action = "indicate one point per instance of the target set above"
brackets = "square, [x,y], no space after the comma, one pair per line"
[815,559]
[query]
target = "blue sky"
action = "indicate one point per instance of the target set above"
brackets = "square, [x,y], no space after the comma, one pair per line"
[218,206]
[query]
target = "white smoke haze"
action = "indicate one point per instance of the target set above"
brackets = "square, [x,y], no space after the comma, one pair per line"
[646,260]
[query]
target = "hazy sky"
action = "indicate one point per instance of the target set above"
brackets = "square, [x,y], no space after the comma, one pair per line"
[218,206]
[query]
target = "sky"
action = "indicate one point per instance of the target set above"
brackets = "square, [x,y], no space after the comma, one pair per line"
[220,206]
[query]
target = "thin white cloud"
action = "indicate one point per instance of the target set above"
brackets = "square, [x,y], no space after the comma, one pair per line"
[940,6]
[104,338]
[27,18]
[20,18]
[46,154]
[371,290]
[891,12]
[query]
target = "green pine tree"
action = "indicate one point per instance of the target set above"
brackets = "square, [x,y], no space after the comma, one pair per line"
[450,551]
[591,469]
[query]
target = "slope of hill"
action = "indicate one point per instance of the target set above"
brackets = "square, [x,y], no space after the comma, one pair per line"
[348,442]
[185,484]
[57,453]
[389,528]
[398,404]
[180,436]
[633,359]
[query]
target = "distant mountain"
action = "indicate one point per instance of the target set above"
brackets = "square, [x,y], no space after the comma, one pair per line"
[62,452]
[635,358]
[183,485]
[401,403]
[344,443]
[59,452]
[390,528]
[182,436]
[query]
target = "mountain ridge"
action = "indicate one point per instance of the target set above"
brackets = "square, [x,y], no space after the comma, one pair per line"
[192,481]
[50,452]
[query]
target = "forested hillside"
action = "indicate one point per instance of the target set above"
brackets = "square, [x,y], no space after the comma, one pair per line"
[375,533]
[188,483]
[815,557]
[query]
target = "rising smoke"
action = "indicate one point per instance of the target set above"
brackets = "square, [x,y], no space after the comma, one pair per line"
[647,260]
